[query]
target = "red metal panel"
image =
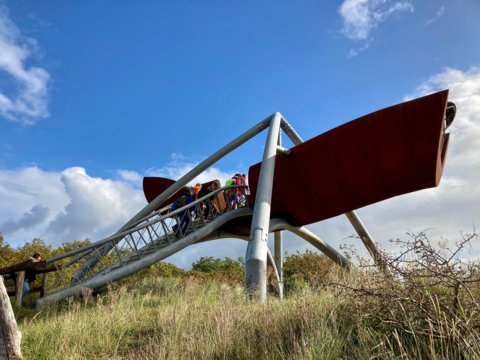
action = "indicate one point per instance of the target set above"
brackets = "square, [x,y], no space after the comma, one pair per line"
[387,153]
[154,186]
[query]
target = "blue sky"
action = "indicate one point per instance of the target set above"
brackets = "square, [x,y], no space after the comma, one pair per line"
[94,95]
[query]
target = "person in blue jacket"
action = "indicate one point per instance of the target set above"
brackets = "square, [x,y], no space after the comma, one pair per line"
[183,217]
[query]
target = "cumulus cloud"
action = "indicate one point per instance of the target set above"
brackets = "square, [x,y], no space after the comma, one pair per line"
[63,206]
[35,215]
[97,207]
[130,176]
[73,205]
[360,17]
[25,99]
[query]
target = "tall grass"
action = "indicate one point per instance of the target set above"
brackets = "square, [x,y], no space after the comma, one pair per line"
[172,319]
[186,319]
[426,307]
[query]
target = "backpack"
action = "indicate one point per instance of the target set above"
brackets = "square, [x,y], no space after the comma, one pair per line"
[179,202]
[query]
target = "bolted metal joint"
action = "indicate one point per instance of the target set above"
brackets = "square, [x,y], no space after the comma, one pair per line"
[283,151]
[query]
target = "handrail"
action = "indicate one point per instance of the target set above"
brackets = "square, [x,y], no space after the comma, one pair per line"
[129,269]
[140,227]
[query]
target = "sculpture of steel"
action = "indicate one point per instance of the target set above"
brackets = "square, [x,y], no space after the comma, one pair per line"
[390,152]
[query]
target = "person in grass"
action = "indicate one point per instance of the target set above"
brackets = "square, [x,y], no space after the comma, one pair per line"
[30,275]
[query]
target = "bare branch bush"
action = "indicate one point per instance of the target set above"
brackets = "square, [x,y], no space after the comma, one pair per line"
[428,301]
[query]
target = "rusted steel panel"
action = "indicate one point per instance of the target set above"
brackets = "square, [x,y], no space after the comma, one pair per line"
[387,153]
[154,186]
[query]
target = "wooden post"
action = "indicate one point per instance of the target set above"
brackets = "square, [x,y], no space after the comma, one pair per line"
[10,335]
[19,288]
[44,285]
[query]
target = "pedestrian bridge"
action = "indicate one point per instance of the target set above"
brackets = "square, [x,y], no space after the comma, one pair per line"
[387,153]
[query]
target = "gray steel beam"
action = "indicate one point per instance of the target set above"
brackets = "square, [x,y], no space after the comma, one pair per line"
[256,255]
[278,246]
[278,243]
[303,232]
[197,170]
[291,133]
[283,151]
[366,239]
[278,224]
[271,262]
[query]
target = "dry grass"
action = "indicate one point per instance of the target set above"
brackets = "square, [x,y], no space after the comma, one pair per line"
[427,308]
[183,319]
[172,319]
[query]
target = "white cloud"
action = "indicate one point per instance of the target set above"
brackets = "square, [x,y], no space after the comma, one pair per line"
[35,215]
[26,101]
[360,17]
[63,206]
[355,51]
[72,205]
[179,165]
[437,16]
[97,207]
[131,176]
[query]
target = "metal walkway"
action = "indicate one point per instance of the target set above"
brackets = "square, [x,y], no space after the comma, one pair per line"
[150,240]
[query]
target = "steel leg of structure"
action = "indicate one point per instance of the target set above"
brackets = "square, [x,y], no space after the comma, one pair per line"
[352,216]
[271,262]
[366,239]
[256,256]
[278,244]
[280,224]
[279,260]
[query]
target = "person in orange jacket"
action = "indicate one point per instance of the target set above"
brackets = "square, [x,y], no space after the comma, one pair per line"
[197,189]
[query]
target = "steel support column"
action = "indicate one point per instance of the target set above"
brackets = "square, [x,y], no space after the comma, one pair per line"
[279,260]
[366,239]
[277,235]
[256,256]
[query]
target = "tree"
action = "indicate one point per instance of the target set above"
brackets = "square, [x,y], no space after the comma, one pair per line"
[6,253]
[164,269]
[226,270]
[309,268]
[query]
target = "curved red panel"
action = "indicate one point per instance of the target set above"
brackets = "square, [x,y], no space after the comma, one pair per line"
[154,186]
[387,153]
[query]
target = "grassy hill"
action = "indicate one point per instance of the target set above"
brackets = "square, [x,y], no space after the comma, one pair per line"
[426,307]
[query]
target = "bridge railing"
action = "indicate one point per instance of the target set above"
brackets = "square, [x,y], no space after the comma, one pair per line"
[151,233]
